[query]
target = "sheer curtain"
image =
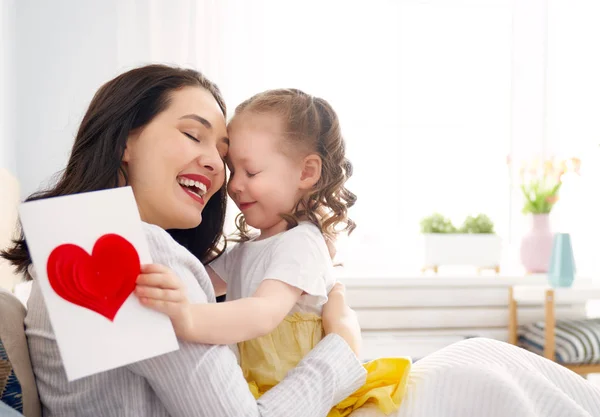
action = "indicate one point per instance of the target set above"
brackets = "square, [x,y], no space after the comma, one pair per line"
[182,32]
[422,89]
[434,99]
[573,130]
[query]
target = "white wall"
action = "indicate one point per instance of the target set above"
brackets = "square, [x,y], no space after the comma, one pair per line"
[65,50]
[7,81]
[9,198]
[9,188]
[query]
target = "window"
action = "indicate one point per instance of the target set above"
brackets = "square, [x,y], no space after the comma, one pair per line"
[434,97]
[422,90]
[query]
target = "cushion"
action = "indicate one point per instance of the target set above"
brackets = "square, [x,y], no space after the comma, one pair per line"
[6,411]
[17,383]
[10,388]
[577,341]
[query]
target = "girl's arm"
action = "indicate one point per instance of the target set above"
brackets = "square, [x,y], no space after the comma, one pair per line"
[244,319]
[219,285]
[223,323]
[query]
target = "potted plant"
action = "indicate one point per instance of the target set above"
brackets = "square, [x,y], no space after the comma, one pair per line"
[474,243]
[540,187]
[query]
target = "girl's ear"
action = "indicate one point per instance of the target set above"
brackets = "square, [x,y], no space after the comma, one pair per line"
[311,171]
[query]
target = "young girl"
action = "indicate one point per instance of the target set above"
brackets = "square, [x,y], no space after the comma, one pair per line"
[288,170]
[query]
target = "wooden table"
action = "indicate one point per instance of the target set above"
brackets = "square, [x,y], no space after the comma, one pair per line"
[579,293]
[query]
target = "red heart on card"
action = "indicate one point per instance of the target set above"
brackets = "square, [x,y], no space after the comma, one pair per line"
[100,282]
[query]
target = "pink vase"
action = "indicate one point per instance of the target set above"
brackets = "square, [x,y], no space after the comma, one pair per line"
[536,245]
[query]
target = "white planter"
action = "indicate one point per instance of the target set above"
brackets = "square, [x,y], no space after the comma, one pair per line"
[479,250]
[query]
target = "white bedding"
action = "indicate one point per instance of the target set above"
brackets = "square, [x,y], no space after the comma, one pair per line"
[487,378]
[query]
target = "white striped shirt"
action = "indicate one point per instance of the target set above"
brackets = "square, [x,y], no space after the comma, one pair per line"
[196,380]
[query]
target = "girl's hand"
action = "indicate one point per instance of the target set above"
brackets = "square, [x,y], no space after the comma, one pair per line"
[340,319]
[159,289]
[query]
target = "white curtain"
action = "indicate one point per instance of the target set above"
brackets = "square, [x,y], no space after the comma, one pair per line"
[573,115]
[221,38]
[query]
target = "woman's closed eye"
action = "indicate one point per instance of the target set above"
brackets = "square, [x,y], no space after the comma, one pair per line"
[191,137]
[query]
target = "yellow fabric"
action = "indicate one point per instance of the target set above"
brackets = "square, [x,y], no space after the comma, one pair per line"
[266,361]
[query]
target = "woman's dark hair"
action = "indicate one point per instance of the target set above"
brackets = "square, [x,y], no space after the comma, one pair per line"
[120,106]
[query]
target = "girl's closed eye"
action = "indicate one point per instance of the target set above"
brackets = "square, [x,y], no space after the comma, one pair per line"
[251,174]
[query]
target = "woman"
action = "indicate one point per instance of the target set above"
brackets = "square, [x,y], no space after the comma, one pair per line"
[161,129]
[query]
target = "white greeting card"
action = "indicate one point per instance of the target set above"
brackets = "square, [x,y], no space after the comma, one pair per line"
[86,251]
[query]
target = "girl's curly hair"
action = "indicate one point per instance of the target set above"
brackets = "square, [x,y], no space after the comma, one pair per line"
[312,126]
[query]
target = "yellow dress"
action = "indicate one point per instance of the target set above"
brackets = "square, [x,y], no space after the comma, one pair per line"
[266,361]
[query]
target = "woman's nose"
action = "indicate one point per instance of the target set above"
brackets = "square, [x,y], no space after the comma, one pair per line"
[211,160]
